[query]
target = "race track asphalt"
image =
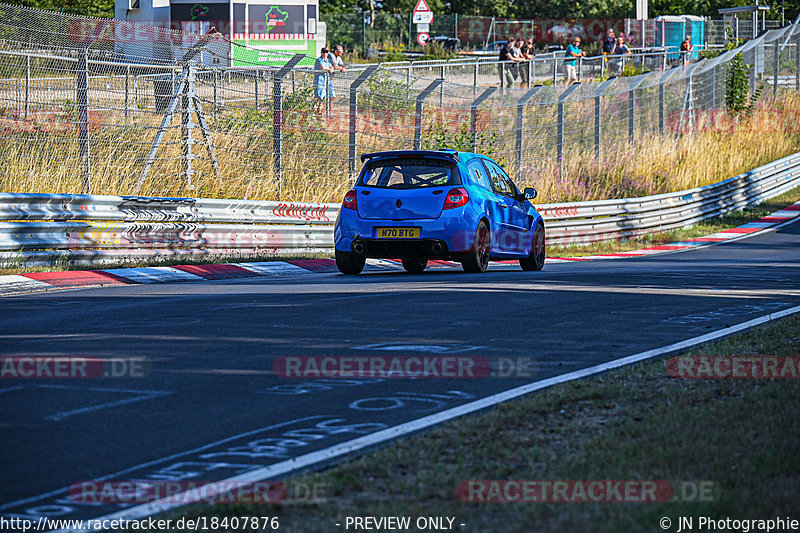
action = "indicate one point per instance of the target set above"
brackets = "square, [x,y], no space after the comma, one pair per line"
[211,407]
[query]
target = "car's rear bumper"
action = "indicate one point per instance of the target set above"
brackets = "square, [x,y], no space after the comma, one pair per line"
[392,248]
[454,233]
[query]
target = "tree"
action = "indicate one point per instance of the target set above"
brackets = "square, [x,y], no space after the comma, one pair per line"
[88,8]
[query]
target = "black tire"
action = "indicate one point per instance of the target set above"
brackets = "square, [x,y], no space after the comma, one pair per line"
[477,259]
[349,263]
[538,251]
[415,265]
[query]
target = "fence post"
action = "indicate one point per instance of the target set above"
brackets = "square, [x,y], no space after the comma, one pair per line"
[580,69]
[256,88]
[560,113]
[777,68]
[127,91]
[441,87]
[418,112]
[631,115]
[475,79]
[277,119]
[713,87]
[661,108]
[598,117]
[632,111]
[797,63]
[354,115]
[27,85]
[555,68]
[502,67]
[473,111]
[662,99]
[216,92]
[82,99]
[187,124]
[521,124]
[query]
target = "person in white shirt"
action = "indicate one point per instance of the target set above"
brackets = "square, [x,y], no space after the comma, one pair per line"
[338,62]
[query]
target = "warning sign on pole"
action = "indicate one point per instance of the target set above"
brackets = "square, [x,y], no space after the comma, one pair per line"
[422,13]
[421,6]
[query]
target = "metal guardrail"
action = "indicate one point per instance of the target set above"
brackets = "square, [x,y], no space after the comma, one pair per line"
[97,230]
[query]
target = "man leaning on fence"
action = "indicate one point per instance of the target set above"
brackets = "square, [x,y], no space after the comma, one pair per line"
[526,47]
[686,50]
[338,62]
[618,63]
[509,53]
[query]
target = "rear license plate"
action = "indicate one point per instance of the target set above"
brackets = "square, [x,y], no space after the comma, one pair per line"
[397,233]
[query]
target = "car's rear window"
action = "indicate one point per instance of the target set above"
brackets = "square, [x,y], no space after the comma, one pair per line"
[408,173]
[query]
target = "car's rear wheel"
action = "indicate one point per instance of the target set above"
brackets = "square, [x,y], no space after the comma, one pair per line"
[477,259]
[415,265]
[349,263]
[535,261]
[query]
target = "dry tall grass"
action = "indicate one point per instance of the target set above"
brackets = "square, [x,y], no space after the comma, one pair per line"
[315,168]
[721,147]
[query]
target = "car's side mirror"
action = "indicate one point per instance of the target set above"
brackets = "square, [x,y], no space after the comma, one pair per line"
[530,193]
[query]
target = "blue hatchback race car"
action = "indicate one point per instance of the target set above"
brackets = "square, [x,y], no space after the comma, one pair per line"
[418,205]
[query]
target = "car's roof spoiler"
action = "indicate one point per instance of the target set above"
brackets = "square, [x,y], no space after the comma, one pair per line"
[451,155]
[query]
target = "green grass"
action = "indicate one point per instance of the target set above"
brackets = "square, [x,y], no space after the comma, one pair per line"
[635,423]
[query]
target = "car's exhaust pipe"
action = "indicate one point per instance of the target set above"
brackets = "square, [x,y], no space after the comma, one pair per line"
[436,248]
[359,248]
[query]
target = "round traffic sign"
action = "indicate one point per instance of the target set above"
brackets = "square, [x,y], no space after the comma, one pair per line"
[423,38]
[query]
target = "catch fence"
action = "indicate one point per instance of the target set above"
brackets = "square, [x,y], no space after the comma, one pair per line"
[77,117]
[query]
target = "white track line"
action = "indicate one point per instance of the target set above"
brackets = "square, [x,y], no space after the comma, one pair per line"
[282,468]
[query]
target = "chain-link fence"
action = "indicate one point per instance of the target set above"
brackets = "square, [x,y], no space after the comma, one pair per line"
[75,118]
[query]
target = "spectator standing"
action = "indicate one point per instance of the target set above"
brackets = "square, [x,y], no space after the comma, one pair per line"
[507,53]
[609,43]
[338,62]
[686,49]
[322,83]
[573,53]
[623,50]
[527,54]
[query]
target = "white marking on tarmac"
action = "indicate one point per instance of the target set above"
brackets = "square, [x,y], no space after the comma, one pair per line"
[332,452]
[153,274]
[431,348]
[13,284]
[163,460]
[139,395]
[273,268]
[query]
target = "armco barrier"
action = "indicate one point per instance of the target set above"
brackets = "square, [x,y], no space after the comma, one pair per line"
[83,229]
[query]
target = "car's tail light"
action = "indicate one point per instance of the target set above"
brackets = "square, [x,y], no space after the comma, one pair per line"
[350,200]
[456,198]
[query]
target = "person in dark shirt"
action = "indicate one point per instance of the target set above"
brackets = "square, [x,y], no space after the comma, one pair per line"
[622,49]
[526,48]
[609,43]
[686,49]
[509,70]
